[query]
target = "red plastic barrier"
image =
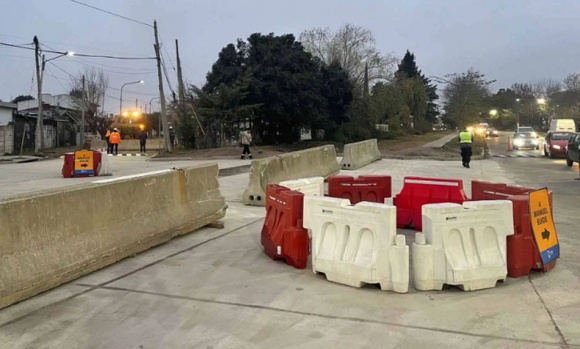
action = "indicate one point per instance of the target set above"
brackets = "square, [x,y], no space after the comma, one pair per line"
[363,188]
[283,236]
[522,253]
[68,168]
[419,191]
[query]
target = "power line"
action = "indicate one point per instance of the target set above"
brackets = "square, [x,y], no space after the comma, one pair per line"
[111,13]
[79,54]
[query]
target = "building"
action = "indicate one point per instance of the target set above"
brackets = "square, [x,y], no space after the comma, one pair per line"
[61,121]
[7,112]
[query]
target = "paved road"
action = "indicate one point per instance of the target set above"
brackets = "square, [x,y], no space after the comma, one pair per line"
[217,289]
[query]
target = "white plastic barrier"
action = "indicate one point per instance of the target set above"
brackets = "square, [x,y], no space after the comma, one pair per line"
[313,186]
[462,245]
[105,169]
[356,245]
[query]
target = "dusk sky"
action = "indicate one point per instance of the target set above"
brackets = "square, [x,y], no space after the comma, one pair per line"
[509,41]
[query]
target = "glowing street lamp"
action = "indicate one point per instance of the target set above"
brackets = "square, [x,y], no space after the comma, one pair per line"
[541,101]
[121,97]
[493,112]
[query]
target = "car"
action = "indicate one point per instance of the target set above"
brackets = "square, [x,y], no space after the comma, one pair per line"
[573,149]
[555,143]
[481,128]
[527,129]
[491,132]
[525,140]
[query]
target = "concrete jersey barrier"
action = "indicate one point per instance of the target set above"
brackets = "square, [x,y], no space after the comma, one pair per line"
[360,154]
[313,162]
[53,237]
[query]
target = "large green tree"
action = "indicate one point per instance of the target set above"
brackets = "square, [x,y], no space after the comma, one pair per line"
[293,89]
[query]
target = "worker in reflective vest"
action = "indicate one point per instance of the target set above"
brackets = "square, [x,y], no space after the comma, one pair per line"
[115,139]
[466,142]
[107,135]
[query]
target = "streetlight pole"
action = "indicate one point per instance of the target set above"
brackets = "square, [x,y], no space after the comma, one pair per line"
[151,113]
[121,97]
[40,65]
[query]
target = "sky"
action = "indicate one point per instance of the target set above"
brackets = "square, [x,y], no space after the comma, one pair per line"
[507,40]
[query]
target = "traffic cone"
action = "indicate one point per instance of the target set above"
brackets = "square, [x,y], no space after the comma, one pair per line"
[509,144]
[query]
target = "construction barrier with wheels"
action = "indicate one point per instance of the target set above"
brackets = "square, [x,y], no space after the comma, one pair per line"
[419,191]
[283,236]
[55,236]
[363,188]
[522,253]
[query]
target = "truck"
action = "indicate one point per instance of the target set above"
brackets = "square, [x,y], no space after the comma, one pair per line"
[563,125]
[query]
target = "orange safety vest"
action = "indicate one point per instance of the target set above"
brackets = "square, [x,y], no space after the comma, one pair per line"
[115,138]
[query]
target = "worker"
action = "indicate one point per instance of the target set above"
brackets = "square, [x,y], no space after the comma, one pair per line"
[466,142]
[107,135]
[246,141]
[142,141]
[115,139]
[172,136]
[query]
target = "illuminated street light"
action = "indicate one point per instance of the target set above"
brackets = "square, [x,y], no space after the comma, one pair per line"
[541,101]
[125,114]
[493,112]
[135,113]
[121,97]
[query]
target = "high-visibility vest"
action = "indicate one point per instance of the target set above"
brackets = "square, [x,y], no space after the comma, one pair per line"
[465,137]
[115,138]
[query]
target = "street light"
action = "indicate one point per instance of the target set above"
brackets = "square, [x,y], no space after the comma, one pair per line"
[40,66]
[150,114]
[493,112]
[541,101]
[121,97]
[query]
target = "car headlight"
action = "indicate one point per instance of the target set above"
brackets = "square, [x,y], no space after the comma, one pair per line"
[519,142]
[494,132]
[470,129]
[534,141]
[534,134]
[555,146]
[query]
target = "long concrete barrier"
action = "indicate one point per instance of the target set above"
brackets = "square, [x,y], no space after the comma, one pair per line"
[313,162]
[360,154]
[52,237]
[129,144]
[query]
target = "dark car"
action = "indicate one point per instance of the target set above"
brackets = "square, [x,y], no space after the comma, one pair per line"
[555,143]
[491,132]
[573,149]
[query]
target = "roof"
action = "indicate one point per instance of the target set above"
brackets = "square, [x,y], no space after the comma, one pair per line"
[8,105]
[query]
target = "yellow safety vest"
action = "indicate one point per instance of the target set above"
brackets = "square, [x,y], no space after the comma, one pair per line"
[465,137]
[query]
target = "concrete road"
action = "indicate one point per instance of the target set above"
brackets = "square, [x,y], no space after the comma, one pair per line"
[498,147]
[217,289]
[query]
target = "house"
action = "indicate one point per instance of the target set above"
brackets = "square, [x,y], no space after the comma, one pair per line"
[60,121]
[7,111]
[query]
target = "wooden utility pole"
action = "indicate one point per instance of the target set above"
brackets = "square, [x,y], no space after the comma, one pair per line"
[83,101]
[180,77]
[38,139]
[167,144]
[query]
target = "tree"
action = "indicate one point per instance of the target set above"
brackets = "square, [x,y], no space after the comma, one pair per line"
[96,83]
[408,69]
[353,48]
[288,84]
[22,98]
[572,82]
[465,97]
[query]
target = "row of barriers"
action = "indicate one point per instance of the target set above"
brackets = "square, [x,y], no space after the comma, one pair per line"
[469,243]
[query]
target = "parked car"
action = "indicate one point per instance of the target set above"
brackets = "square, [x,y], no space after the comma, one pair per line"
[573,149]
[555,143]
[526,137]
[491,132]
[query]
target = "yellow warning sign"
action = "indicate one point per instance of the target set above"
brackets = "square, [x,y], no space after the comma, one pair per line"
[84,162]
[543,226]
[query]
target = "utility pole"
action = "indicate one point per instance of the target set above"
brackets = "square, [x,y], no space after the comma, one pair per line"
[167,144]
[39,141]
[181,90]
[83,100]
